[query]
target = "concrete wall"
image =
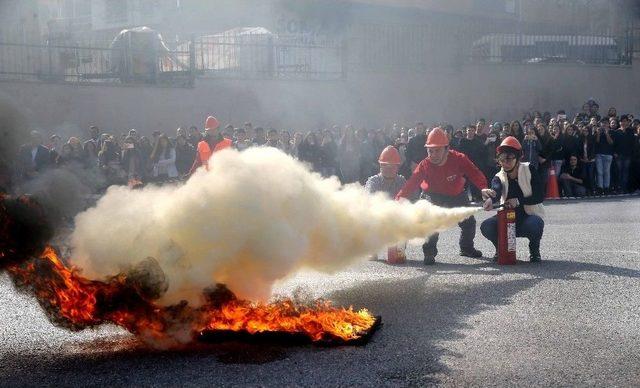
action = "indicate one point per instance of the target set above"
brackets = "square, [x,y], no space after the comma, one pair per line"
[495,92]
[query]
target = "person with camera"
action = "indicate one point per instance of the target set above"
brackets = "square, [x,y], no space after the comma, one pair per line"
[517,186]
[442,176]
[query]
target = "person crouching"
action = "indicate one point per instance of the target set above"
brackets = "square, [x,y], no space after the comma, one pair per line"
[388,180]
[516,186]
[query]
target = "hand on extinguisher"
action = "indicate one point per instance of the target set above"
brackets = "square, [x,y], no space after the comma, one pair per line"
[488,193]
[511,203]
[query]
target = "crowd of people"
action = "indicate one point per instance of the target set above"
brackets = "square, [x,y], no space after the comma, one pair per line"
[590,154]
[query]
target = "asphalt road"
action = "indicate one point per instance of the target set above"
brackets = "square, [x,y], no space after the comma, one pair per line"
[572,320]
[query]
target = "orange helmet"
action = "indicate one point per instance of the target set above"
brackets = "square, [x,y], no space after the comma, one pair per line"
[211,123]
[509,142]
[390,155]
[437,138]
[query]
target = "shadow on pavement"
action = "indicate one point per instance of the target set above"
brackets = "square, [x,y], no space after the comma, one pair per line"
[419,315]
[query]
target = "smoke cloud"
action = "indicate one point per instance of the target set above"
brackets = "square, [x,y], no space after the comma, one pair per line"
[255,217]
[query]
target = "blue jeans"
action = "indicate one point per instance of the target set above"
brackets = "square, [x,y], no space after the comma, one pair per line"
[603,170]
[527,226]
[624,165]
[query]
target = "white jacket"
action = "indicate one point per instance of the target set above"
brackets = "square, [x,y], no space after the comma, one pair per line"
[524,181]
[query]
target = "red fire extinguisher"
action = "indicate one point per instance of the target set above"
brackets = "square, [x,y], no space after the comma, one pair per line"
[506,236]
[396,254]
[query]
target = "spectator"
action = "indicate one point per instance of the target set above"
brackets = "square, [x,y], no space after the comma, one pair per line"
[368,156]
[65,156]
[623,141]
[54,146]
[516,130]
[273,139]
[241,142]
[34,157]
[94,134]
[309,151]
[195,136]
[544,155]
[77,152]
[571,143]
[612,113]
[285,142]
[185,154]
[109,159]
[416,151]
[144,148]
[604,156]
[163,158]
[531,148]
[587,157]
[329,155]
[90,150]
[259,138]
[349,156]
[131,160]
[572,178]
[298,137]
[248,130]
[228,132]
[557,149]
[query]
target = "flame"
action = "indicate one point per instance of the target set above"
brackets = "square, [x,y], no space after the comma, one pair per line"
[76,303]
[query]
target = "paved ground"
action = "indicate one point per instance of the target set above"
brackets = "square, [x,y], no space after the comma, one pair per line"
[573,320]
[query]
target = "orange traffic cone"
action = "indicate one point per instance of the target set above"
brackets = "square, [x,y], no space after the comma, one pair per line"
[552,185]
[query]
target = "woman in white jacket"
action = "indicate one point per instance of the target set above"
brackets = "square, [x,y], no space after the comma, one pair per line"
[516,186]
[164,160]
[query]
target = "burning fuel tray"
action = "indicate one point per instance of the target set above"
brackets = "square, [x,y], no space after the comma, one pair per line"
[284,338]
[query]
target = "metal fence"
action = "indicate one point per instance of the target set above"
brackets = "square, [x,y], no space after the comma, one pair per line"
[256,53]
[510,42]
[262,55]
[448,45]
[59,63]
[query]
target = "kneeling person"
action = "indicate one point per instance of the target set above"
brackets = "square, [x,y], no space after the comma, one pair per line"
[442,175]
[516,186]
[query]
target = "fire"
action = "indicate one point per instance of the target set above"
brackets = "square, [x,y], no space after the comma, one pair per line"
[75,302]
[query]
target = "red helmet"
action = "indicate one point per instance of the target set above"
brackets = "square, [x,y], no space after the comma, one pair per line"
[437,138]
[509,142]
[390,155]
[211,123]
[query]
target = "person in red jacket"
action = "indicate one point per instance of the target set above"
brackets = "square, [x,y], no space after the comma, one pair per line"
[442,176]
[213,142]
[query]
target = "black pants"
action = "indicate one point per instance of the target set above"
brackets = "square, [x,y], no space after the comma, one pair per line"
[468,226]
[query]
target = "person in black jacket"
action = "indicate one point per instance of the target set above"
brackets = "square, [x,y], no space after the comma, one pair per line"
[33,157]
[623,143]
[587,157]
[572,178]
[415,148]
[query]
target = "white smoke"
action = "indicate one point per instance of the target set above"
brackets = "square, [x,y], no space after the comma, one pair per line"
[255,217]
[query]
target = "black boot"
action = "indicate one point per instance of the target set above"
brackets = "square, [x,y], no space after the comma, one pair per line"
[534,254]
[430,257]
[470,252]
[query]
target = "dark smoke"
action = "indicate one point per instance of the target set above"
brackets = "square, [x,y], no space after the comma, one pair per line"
[25,228]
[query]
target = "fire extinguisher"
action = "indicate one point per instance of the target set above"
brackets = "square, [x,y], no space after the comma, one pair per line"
[506,236]
[396,254]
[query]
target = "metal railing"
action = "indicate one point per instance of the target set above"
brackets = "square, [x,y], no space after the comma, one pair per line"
[438,44]
[267,56]
[78,64]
